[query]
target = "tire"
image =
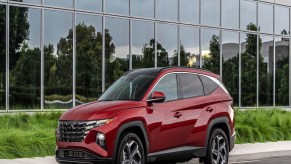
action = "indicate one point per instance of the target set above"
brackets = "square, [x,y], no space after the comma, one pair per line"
[130,150]
[219,154]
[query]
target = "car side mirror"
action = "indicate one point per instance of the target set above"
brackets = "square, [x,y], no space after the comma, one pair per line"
[157,97]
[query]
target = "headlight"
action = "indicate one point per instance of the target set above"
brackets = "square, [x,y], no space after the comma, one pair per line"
[103,122]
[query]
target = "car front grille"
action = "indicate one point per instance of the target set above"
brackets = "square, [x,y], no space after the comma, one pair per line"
[74,131]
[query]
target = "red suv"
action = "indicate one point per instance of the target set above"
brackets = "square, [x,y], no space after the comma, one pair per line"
[159,115]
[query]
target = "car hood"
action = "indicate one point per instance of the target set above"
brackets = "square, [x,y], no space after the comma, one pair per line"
[99,110]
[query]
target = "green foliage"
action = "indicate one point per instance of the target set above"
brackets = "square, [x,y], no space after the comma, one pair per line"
[23,135]
[262,125]
[212,62]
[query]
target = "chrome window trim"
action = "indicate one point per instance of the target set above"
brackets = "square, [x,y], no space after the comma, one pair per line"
[212,78]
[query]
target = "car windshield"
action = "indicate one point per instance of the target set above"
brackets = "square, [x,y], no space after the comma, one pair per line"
[128,87]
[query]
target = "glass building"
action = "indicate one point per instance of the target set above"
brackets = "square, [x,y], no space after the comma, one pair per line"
[56,54]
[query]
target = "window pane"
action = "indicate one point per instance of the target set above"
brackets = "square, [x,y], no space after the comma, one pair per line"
[266,71]
[88,58]
[143,8]
[210,11]
[248,15]
[143,44]
[248,69]
[265,11]
[230,64]
[283,2]
[191,85]
[208,84]
[116,48]
[282,20]
[282,71]
[167,9]
[2,56]
[189,47]
[117,6]
[28,1]
[167,45]
[93,5]
[189,11]
[59,3]
[58,70]
[210,50]
[24,58]
[168,85]
[230,13]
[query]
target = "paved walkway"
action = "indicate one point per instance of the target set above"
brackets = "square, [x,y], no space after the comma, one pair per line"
[241,153]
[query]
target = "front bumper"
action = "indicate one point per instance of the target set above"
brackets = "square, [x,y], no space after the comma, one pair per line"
[69,156]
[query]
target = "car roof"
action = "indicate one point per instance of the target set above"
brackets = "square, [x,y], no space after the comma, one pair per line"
[156,71]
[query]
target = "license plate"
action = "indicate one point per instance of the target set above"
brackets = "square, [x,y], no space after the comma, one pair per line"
[74,154]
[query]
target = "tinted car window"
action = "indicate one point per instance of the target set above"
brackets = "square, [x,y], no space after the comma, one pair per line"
[168,85]
[208,84]
[191,85]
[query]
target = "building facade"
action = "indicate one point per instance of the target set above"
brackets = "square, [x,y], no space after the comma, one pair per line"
[56,54]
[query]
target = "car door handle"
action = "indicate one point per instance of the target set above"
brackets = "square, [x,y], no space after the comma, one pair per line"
[209,109]
[177,114]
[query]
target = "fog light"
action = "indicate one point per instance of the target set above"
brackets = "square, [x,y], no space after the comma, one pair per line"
[100,140]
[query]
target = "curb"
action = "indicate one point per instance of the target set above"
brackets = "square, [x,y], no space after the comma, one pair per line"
[238,158]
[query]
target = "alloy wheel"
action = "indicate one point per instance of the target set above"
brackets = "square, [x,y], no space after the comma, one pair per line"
[131,153]
[219,151]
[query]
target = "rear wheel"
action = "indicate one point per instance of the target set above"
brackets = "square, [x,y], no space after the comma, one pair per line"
[130,150]
[218,148]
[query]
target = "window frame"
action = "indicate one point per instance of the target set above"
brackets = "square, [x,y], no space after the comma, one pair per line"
[180,95]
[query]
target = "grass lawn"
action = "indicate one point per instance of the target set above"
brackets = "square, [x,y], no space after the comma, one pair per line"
[23,135]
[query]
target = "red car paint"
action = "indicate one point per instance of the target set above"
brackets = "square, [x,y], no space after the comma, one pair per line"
[168,125]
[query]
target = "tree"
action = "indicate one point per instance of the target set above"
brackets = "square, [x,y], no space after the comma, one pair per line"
[212,62]
[184,56]
[19,31]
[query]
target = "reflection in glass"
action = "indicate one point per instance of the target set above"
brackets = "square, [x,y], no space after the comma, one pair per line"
[210,50]
[210,12]
[282,71]
[248,14]
[266,70]
[143,8]
[59,3]
[24,58]
[230,13]
[189,11]
[249,69]
[167,9]
[143,44]
[88,58]
[265,11]
[283,2]
[189,47]
[93,5]
[167,45]
[282,20]
[2,57]
[28,1]
[116,48]
[58,49]
[230,64]
[117,6]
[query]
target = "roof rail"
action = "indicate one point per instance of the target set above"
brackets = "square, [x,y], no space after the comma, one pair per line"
[168,67]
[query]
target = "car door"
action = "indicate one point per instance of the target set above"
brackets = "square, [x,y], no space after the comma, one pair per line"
[197,108]
[166,117]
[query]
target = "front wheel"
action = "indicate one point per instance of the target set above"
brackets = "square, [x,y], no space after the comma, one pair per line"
[218,148]
[130,150]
